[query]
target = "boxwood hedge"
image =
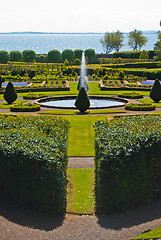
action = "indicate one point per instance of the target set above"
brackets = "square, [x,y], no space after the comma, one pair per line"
[33,162]
[128,162]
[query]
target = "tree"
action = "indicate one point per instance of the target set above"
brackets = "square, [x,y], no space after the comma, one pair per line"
[82,102]
[68,54]
[155,93]
[15,56]
[136,40]
[54,56]
[112,41]
[157,47]
[10,94]
[78,53]
[28,55]
[4,56]
[90,54]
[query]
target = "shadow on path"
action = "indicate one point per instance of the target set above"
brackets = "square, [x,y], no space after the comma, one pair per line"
[132,218]
[26,217]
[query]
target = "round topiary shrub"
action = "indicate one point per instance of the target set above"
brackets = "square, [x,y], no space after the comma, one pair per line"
[10,94]
[29,107]
[132,95]
[140,107]
[33,96]
[82,102]
[77,62]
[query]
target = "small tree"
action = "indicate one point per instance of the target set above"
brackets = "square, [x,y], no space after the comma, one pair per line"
[78,53]
[112,41]
[15,56]
[155,93]
[157,47]
[4,56]
[54,56]
[68,54]
[10,94]
[144,55]
[90,54]
[77,62]
[28,55]
[136,40]
[82,102]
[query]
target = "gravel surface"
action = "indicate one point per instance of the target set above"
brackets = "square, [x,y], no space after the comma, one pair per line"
[81,162]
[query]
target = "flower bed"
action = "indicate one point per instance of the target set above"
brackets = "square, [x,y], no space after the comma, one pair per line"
[28,107]
[33,96]
[132,95]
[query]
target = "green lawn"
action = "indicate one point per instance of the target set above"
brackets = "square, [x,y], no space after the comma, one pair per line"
[81,135]
[149,100]
[76,112]
[80,192]
[153,234]
[5,105]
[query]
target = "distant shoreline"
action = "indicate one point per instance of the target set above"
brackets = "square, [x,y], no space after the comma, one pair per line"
[30,32]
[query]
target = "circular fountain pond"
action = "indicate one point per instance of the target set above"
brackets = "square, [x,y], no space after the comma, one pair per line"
[68,102]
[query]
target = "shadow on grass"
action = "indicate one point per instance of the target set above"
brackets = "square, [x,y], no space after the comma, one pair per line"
[31,219]
[133,217]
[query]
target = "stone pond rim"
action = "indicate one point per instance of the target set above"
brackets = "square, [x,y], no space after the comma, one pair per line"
[121,102]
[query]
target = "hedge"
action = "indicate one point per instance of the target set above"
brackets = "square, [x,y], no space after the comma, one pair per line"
[140,107]
[28,107]
[33,162]
[128,162]
[131,95]
[132,54]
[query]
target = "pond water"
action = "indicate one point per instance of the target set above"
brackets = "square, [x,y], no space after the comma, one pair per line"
[16,84]
[94,103]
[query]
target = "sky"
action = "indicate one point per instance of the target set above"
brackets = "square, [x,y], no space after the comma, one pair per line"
[79,16]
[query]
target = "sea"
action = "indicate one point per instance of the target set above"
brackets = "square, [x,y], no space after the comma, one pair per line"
[42,43]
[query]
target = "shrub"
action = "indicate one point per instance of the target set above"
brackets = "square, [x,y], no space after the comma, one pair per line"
[34,161]
[144,55]
[28,55]
[155,93]
[77,62]
[131,95]
[78,53]
[4,56]
[90,54]
[54,56]
[28,107]
[10,94]
[68,54]
[15,56]
[33,96]
[140,107]
[82,102]
[127,160]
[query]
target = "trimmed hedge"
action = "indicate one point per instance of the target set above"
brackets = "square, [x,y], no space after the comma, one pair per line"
[28,107]
[132,54]
[33,96]
[128,162]
[131,95]
[140,107]
[33,162]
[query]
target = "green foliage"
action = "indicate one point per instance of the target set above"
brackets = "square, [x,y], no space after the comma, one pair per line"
[132,54]
[10,94]
[28,55]
[34,95]
[131,95]
[144,55]
[112,41]
[90,54]
[77,62]
[54,56]
[42,58]
[4,56]
[140,107]
[127,160]
[155,93]
[28,107]
[78,53]
[136,40]
[68,54]
[82,102]
[33,162]
[66,62]
[15,56]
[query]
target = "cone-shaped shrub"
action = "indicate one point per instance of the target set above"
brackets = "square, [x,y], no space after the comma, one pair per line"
[82,102]
[155,93]
[10,94]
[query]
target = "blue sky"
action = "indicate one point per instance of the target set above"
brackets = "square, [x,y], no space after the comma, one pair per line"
[79,16]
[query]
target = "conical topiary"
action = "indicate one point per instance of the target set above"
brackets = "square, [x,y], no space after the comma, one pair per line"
[82,102]
[155,93]
[10,94]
